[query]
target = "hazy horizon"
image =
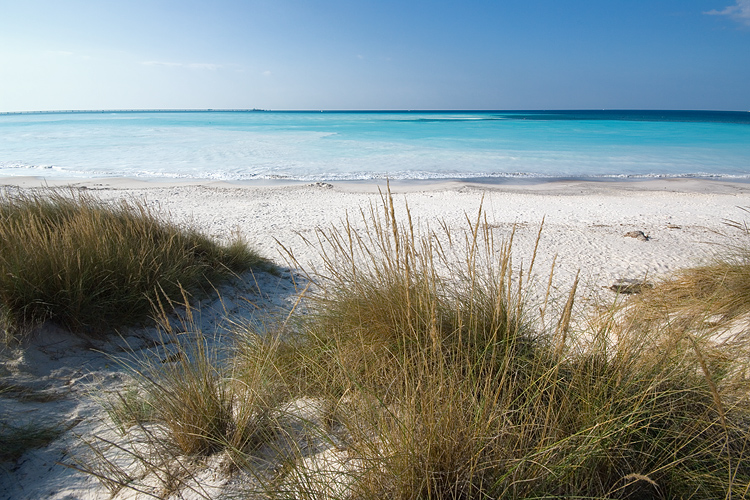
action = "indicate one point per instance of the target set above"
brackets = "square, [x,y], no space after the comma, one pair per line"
[415,110]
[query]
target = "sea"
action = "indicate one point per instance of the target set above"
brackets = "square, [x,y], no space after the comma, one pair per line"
[485,146]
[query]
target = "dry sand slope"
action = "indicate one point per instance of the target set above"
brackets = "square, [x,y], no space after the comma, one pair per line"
[57,377]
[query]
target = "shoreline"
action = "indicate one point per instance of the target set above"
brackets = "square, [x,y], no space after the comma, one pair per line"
[557,185]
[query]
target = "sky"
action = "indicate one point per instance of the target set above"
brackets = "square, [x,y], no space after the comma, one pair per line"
[374,54]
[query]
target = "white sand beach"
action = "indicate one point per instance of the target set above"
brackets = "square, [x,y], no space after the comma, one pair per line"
[585,227]
[585,222]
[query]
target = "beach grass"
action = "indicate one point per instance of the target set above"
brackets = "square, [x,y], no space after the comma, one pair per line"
[15,440]
[707,297]
[209,406]
[429,377]
[446,389]
[92,266]
[186,405]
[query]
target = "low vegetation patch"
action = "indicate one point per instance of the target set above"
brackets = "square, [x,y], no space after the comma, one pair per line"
[717,293]
[92,266]
[431,379]
[15,440]
[426,347]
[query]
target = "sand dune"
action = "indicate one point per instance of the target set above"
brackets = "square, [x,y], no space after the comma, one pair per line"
[585,229]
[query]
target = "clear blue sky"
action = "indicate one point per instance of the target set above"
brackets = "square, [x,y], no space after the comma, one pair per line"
[379,54]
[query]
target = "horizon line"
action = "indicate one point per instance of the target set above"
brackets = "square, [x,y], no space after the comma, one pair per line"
[249,110]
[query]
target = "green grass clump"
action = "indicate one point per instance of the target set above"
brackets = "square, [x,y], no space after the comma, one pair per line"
[15,440]
[207,406]
[92,266]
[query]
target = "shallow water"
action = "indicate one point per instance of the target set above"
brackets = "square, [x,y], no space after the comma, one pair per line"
[320,146]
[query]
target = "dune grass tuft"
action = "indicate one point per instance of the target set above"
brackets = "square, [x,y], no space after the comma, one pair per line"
[205,405]
[92,266]
[704,308]
[424,344]
[388,297]
[15,440]
[187,404]
[718,292]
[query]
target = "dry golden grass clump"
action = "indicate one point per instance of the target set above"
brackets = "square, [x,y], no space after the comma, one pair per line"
[436,382]
[187,409]
[715,294]
[93,266]
[446,390]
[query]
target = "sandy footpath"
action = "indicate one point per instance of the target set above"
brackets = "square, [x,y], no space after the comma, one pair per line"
[585,227]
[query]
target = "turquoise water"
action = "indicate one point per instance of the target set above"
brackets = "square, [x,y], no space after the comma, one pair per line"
[327,146]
